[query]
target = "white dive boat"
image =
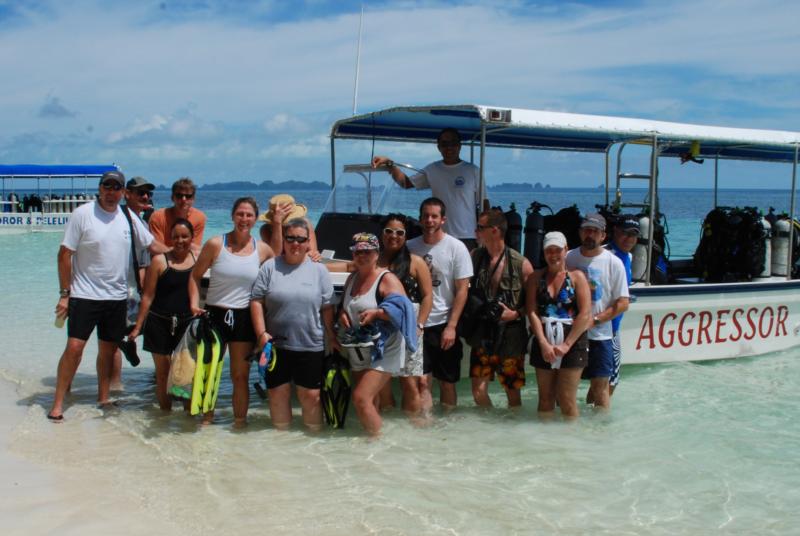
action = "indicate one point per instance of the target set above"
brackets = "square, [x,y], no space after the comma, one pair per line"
[41,198]
[688,319]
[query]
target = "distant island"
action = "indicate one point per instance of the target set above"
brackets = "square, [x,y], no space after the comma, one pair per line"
[267,185]
[517,187]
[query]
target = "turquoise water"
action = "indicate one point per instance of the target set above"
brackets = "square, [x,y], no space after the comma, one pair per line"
[687,448]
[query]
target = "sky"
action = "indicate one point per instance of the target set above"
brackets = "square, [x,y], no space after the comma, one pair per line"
[248,90]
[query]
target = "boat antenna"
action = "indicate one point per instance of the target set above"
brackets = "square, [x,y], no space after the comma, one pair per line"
[358,61]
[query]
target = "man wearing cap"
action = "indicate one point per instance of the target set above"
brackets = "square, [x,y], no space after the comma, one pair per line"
[162,220]
[283,208]
[93,263]
[626,233]
[455,182]
[609,289]
[451,270]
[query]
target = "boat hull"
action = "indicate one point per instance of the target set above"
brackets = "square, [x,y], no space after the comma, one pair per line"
[22,222]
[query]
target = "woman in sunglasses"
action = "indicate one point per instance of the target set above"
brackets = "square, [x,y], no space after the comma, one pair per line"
[234,259]
[165,305]
[415,277]
[291,304]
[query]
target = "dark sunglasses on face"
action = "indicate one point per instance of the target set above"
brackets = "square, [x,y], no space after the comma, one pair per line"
[483,227]
[112,185]
[399,232]
[183,196]
[299,239]
[144,193]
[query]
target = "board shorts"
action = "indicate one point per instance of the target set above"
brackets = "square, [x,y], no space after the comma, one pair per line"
[162,331]
[108,316]
[617,351]
[444,364]
[601,360]
[510,369]
[577,357]
[233,325]
[302,368]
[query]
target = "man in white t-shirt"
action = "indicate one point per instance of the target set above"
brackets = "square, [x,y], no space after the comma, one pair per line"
[93,264]
[451,270]
[609,287]
[455,182]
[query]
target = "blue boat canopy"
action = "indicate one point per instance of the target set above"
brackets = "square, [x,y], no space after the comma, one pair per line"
[34,171]
[533,129]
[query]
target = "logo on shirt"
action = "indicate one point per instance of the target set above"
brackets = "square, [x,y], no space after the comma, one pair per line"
[460,181]
[594,275]
[435,281]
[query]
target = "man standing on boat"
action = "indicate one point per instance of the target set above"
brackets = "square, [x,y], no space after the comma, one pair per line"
[609,287]
[183,194]
[93,264]
[626,233]
[451,270]
[455,182]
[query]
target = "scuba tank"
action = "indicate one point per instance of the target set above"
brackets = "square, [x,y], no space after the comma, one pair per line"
[780,246]
[14,202]
[513,228]
[767,271]
[534,234]
[639,253]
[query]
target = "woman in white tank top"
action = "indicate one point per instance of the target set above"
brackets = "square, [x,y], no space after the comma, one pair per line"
[234,259]
[359,308]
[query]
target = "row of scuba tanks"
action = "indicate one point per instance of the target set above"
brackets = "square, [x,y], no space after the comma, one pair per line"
[48,204]
[741,244]
[568,221]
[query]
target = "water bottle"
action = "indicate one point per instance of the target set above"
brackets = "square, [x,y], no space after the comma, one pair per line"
[60,320]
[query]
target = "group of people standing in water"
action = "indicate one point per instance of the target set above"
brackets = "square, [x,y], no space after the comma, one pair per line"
[405,308]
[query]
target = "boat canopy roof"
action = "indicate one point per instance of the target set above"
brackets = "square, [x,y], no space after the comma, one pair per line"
[34,171]
[535,129]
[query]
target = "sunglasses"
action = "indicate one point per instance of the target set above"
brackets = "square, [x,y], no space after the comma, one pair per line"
[144,193]
[483,227]
[299,239]
[364,251]
[183,196]
[399,232]
[112,185]
[449,143]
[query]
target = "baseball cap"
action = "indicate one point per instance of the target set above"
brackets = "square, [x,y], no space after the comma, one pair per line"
[554,238]
[594,220]
[365,241]
[140,182]
[630,225]
[113,176]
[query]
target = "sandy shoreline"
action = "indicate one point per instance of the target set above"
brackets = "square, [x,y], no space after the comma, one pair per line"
[43,499]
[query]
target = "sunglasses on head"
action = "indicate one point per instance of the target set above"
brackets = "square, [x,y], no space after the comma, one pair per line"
[183,196]
[299,239]
[399,232]
[112,185]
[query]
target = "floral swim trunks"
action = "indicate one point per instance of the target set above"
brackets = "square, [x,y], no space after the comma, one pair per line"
[510,370]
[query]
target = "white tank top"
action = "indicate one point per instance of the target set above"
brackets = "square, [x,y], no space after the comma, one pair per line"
[232,278]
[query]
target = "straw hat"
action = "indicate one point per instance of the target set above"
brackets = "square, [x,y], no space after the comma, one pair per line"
[298,210]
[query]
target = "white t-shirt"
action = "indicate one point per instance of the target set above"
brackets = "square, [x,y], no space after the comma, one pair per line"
[458,186]
[101,246]
[607,283]
[448,260]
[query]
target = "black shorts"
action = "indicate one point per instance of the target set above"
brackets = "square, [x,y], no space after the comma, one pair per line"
[233,325]
[109,316]
[162,332]
[577,357]
[302,368]
[444,364]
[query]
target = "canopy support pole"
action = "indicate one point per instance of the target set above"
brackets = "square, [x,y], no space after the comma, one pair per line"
[482,183]
[789,266]
[653,212]
[716,178]
[608,164]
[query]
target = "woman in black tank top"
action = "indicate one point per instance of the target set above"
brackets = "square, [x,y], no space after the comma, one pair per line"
[164,311]
[415,276]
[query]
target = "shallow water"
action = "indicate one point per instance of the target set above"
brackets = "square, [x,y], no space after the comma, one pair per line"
[687,448]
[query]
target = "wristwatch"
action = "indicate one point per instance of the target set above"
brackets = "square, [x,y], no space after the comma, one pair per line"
[64,292]
[390,163]
[595,320]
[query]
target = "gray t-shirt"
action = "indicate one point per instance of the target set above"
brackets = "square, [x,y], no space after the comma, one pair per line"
[293,296]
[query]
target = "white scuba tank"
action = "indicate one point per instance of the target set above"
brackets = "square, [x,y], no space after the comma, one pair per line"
[780,246]
[767,271]
[639,252]
[14,201]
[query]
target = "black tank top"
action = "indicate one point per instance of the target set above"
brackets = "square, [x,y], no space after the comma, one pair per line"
[172,291]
